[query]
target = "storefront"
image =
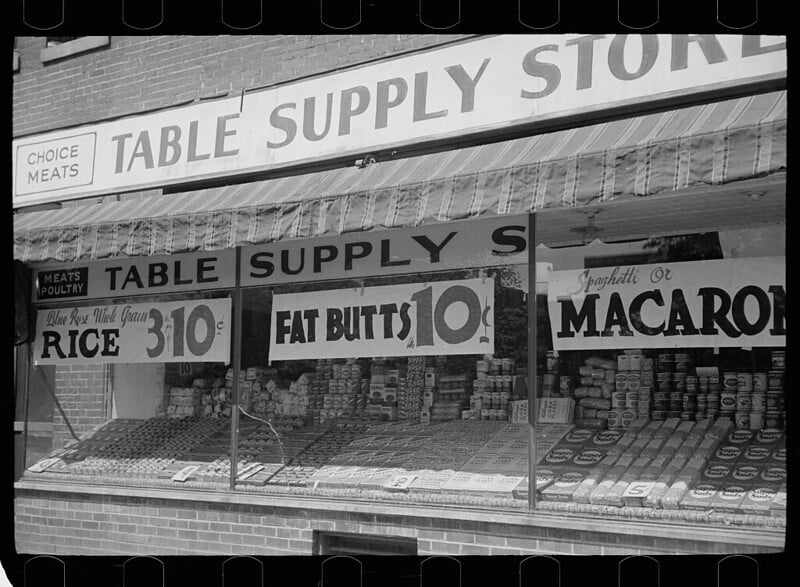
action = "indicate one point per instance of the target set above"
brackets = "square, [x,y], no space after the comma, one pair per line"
[389,330]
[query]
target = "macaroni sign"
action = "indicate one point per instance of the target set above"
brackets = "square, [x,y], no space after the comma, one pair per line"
[169,332]
[736,302]
[437,318]
[471,87]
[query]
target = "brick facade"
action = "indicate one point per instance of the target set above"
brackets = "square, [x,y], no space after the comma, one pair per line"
[81,391]
[60,522]
[135,74]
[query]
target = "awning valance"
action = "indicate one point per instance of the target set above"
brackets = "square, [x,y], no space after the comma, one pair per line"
[703,145]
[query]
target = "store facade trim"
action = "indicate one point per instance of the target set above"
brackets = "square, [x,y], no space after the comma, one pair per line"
[705,145]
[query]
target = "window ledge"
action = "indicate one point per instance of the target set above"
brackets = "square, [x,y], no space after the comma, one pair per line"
[70,48]
[15,68]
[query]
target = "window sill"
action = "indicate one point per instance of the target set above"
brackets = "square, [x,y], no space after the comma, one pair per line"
[70,48]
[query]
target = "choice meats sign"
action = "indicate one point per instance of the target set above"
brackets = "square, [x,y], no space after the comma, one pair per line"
[465,88]
[737,302]
[185,332]
[438,318]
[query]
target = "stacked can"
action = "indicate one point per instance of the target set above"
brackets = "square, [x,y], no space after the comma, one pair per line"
[744,399]
[664,401]
[711,387]
[688,395]
[775,413]
[647,382]
[727,398]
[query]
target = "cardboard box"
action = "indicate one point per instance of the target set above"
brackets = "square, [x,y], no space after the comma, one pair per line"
[773,475]
[768,436]
[729,498]
[556,410]
[758,500]
[564,485]
[519,411]
[700,497]
[755,454]
[746,474]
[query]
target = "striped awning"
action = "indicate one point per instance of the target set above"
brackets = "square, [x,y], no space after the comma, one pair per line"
[704,145]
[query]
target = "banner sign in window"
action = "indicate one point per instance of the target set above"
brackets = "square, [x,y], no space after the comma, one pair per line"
[437,318]
[470,88]
[725,303]
[131,276]
[488,242]
[167,332]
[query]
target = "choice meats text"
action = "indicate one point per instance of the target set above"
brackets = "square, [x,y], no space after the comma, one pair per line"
[290,120]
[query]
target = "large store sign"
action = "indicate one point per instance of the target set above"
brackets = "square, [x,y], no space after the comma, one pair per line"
[729,303]
[471,87]
[134,276]
[485,243]
[436,318]
[158,332]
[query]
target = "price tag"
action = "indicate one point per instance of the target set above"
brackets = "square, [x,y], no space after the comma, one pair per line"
[250,470]
[639,489]
[42,465]
[400,483]
[184,474]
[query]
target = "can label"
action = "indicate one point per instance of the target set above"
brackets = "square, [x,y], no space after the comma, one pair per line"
[742,419]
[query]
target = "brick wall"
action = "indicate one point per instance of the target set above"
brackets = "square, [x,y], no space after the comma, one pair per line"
[136,73]
[69,523]
[80,390]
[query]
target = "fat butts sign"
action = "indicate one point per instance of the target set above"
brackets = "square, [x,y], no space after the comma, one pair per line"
[734,302]
[168,332]
[438,318]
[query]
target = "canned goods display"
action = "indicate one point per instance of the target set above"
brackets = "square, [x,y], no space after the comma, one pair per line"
[658,415]
[664,386]
[772,419]
[756,420]
[727,400]
[744,381]
[743,402]
[675,407]
[775,380]
[758,402]
[774,400]
[687,415]
[636,362]
[666,362]
[778,360]
[618,399]
[742,419]
[702,384]
[759,382]
[730,381]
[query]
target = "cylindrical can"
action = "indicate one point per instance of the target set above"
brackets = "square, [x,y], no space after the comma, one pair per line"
[687,415]
[713,400]
[658,415]
[618,399]
[775,380]
[675,407]
[621,381]
[627,417]
[660,406]
[482,366]
[774,400]
[714,384]
[690,406]
[745,382]
[666,362]
[727,400]
[614,419]
[758,402]
[742,419]
[681,363]
[634,386]
[711,413]
[759,382]
[664,386]
[506,384]
[679,385]
[756,420]
[702,384]
[691,385]
[702,402]
[631,399]
[730,381]
[507,366]
[495,366]
[772,419]
[778,360]
[743,402]
[565,383]
[636,362]
[675,396]
[674,413]
[623,362]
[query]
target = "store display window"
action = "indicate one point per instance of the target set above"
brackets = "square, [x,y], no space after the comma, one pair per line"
[672,350]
